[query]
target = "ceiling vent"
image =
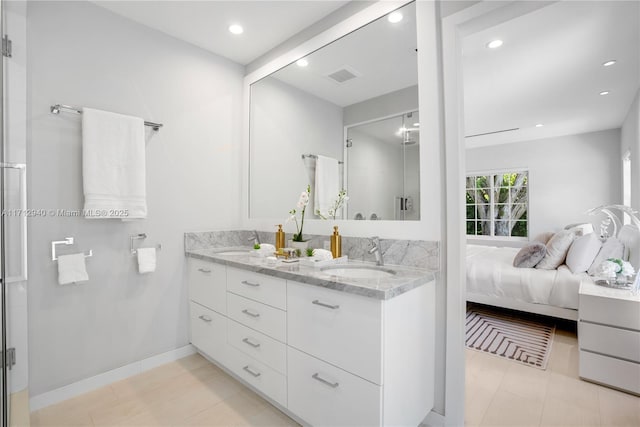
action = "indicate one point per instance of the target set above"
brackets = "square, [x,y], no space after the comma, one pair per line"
[344,74]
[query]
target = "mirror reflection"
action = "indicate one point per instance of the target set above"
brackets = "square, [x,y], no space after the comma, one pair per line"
[344,117]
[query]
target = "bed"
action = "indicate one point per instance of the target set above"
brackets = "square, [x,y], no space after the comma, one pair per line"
[493,280]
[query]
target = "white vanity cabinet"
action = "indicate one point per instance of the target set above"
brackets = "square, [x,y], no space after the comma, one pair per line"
[208,306]
[327,357]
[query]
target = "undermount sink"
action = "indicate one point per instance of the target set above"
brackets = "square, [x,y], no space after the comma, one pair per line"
[233,252]
[359,271]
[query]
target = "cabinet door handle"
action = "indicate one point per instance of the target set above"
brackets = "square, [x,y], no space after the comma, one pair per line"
[332,307]
[204,270]
[317,377]
[205,318]
[249,313]
[252,344]
[255,285]
[251,371]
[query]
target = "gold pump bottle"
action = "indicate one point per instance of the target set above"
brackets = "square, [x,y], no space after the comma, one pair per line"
[280,238]
[336,243]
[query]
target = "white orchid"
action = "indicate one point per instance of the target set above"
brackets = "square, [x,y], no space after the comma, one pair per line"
[337,203]
[303,201]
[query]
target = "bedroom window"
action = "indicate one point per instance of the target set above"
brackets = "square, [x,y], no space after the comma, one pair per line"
[498,204]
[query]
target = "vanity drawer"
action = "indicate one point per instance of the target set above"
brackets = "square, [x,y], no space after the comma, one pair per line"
[258,375]
[621,343]
[257,345]
[342,329]
[323,395]
[258,287]
[208,331]
[263,318]
[610,371]
[208,284]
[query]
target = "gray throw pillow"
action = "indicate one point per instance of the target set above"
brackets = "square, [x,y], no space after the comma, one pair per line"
[530,255]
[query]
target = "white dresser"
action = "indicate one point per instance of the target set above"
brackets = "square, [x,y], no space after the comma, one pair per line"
[609,337]
[324,356]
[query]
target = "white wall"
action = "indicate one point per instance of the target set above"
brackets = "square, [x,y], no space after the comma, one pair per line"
[400,101]
[81,54]
[291,123]
[567,175]
[630,141]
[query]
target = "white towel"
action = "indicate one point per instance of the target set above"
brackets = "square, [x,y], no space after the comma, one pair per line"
[322,254]
[113,165]
[71,269]
[327,185]
[146,260]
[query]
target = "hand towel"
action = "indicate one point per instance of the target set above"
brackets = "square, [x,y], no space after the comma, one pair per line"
[146,260]
[113,165]
[327,185]
[322,254]
[71,269]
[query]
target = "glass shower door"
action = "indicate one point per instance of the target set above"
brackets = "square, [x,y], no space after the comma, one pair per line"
[14,399]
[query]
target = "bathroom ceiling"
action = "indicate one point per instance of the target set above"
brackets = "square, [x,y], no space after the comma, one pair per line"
[205,23]
[549,71]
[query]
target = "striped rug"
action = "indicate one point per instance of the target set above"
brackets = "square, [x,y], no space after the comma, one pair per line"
[524,341]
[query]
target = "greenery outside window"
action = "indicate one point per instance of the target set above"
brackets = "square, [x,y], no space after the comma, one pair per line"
[498,204]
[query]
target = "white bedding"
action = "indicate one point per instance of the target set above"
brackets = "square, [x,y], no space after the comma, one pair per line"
[490,272]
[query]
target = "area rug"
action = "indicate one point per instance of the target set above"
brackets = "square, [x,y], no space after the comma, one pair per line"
[504,335]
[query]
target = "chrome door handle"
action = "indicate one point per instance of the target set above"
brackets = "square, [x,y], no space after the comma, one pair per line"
[205,318]
[332,307]
[255,285]
[252,344]
[249,313]
[317,377]
[204,270]
[251,371]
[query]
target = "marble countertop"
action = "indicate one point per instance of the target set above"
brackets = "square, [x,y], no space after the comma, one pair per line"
[404,279]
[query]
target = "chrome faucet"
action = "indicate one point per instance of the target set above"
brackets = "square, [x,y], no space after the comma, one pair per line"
[375,249]
[255,238]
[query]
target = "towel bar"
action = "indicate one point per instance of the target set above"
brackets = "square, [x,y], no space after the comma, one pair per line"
[139,236]
[66,241]
[57,108]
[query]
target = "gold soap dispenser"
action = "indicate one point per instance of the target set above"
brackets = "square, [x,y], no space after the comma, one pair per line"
[280,238]
[336,243]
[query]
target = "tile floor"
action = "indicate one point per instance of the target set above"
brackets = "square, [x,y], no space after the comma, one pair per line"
[193,392]
[500,392]
[188,392]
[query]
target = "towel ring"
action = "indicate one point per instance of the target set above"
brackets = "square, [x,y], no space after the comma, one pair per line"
[139,236]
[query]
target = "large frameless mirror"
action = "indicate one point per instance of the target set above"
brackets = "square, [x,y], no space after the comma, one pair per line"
[343,117]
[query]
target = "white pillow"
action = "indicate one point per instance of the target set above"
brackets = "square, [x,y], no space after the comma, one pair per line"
[557,248]
[612,248]
[582,253]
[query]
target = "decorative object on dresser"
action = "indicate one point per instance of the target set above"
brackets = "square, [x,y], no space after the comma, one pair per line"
[524,341]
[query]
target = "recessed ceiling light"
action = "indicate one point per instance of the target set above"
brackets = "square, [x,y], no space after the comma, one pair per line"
[609,63]
[539,125]
[494,44]
[395,17]
[416,124]
[302,62]
[604,92]
[236,29]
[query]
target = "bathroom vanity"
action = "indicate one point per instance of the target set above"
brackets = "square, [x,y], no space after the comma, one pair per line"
[352,346]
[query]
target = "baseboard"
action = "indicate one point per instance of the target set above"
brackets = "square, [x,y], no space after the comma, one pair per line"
[88,384]
[433,419]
